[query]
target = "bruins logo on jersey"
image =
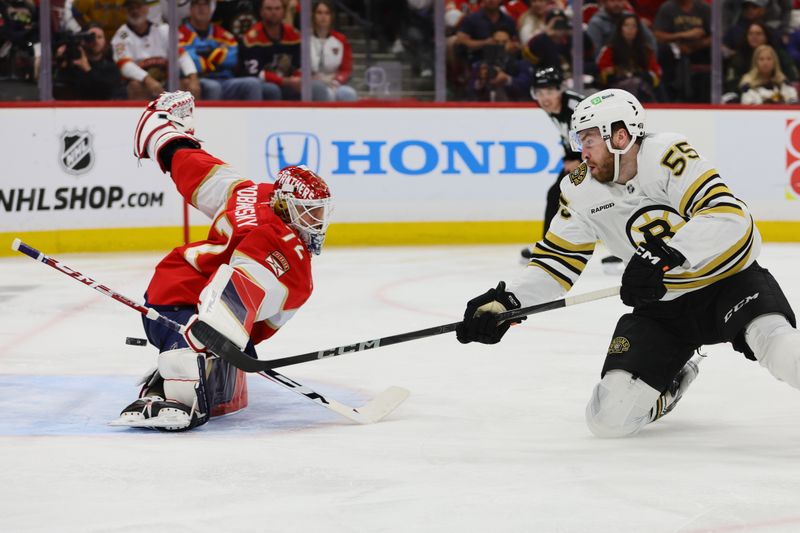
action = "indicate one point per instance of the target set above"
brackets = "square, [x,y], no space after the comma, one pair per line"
[579,174]
[619,345]
[660,221]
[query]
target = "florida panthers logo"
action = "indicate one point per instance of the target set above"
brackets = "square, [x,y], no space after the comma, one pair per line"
[660,221]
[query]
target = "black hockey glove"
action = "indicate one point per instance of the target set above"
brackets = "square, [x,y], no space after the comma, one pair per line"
[479,324]
[643,279]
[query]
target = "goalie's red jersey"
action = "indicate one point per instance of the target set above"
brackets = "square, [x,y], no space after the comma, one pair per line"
[246,233]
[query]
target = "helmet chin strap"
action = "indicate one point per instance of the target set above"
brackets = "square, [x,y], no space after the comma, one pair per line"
[618,153]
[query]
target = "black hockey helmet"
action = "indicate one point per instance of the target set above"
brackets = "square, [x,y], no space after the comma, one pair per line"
[547,77]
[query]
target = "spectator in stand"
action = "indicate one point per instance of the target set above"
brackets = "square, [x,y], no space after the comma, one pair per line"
[159,11]
[752,11]
[646,9]
[553,46]
[793,47]
[532,22]
[603,24]
[19,30]
[766,83]
[85,70]
[738,64]
[776,14]
[292,10]
[331,58]
[271,50]
[387,18]
[417,37]
[628,63]
[477,30]
[237,16]
[140,50]
[515,8]
[502,75]
[19,34]
[455,11]
[683,31]
[109,14]
[474,33]
[215,54]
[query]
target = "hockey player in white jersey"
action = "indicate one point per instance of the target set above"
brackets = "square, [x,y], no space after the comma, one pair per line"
[691,277]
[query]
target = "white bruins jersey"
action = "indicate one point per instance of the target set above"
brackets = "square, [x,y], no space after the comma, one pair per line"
[677,195]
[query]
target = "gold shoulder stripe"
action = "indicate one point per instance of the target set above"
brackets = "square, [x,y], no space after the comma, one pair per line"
[695,187]
[208,176]
[713,279]
[570,263]
[712,193]
[549,249]
[563,281]
[720,210]
[568,246]
[727,255]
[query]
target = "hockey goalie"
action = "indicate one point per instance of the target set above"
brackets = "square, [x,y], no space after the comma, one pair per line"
[246,279]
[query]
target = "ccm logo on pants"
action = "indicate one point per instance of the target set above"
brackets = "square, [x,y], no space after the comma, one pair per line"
[738,306]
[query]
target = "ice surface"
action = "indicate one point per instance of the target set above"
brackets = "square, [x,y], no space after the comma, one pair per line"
[491,439]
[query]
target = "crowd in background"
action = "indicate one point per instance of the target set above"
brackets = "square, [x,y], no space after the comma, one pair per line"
[659,50]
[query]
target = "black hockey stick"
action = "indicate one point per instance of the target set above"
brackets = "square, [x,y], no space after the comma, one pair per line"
[380,406]
[218,344]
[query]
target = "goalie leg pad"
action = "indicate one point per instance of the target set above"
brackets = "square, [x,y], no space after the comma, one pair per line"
[183,372]
[620,405]
[776,345]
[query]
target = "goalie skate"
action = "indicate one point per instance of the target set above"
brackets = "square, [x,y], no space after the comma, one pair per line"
[153,412]
[166,119]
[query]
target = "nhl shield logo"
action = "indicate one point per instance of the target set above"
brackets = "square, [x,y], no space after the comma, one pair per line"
[77,154]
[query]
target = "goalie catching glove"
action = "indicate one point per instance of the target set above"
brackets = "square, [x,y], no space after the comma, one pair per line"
[167,119]
[643,279]
[480,324]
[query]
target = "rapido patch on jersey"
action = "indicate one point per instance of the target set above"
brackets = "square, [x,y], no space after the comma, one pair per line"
[277,262]
[579,174]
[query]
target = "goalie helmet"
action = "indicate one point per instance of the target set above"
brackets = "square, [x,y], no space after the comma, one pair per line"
[301,198]
[603,109]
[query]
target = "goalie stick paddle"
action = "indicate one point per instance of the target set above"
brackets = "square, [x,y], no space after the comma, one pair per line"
[373,411]
[221,346]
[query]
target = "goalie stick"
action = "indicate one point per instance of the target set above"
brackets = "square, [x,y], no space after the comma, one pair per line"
[220,345]
[373,411]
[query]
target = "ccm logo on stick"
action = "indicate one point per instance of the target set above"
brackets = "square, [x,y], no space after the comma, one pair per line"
[738,306]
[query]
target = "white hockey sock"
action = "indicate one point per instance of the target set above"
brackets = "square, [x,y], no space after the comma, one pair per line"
[776,345]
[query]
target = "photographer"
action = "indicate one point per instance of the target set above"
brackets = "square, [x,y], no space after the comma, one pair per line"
[502,75]
[85,70]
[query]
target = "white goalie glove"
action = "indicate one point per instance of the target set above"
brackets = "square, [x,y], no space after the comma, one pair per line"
[166,119]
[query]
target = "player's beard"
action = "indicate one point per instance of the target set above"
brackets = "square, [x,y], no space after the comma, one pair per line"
[603,171]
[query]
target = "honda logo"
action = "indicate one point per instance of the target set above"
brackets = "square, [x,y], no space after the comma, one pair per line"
[292,148]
